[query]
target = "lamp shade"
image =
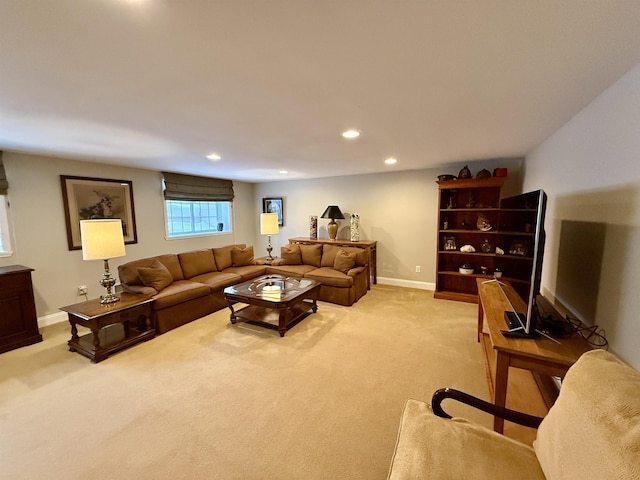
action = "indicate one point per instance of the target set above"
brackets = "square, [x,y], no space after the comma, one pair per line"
[332,211]
[102,239]
[269,223]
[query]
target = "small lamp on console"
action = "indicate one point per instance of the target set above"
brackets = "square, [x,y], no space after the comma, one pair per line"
[333,212]
[102,240]
[269,226]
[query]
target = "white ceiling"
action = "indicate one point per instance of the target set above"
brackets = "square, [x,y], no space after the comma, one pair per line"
[271,84]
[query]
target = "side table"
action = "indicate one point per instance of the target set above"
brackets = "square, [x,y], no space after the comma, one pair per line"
[114,326]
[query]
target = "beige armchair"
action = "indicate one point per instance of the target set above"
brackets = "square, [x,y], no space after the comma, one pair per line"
[591,432]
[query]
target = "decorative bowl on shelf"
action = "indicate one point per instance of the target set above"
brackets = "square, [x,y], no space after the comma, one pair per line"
[465,270]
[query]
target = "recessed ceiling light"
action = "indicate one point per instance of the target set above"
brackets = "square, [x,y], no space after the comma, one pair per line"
[214,156]
[351,134]
[391,161]
[283,172]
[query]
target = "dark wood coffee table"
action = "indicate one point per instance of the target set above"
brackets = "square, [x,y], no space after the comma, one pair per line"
[273,301]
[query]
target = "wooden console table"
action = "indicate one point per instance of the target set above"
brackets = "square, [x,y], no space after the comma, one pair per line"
[113,326]
[537,355]
[369,246]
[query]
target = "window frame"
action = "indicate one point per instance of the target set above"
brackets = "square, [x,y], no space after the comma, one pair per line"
[6,227]
[195,234]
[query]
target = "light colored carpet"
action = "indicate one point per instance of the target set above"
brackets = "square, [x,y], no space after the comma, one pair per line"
[221,401]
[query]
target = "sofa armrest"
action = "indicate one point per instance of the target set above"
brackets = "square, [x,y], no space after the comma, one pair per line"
[139,289]
[508,414]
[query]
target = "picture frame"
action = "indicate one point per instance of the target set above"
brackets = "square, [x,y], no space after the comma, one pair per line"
[274,205]
[87,198]
[449,243]
[518,247]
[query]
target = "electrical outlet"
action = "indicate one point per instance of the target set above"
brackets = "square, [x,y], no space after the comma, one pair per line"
[82,290]
[417,268]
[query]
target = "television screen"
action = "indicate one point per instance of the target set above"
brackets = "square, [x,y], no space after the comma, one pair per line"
[524,324]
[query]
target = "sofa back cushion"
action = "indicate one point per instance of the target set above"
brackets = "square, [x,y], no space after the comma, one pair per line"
[197,262]
[223,255]
[241,257]
[172,262]
[593,429]
[311,254]
[156,276]
[291,255]
[329,253]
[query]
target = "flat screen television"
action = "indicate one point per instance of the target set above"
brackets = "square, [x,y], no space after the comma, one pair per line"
[525,324]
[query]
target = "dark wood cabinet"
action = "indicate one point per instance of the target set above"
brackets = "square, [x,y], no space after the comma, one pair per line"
[469,213]
[18,321]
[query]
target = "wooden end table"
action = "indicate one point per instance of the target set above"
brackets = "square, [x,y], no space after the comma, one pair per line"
[114,326]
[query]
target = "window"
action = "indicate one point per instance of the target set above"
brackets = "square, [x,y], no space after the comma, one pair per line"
[187,217]
[197,205]
[5,232]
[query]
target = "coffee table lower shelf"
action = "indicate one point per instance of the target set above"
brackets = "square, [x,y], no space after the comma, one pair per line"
[112,339]
[281,319]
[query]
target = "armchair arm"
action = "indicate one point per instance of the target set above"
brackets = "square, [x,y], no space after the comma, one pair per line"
[507,414]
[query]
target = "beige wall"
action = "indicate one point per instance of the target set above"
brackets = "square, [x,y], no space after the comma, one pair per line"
[40,234]
[397,209]
[591,172]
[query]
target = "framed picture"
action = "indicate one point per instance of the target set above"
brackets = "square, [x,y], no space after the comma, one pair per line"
[92,198]
[449,243]
[274,205]
[518,247]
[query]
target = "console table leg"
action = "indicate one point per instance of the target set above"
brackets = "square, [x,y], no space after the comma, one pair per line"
[500,388]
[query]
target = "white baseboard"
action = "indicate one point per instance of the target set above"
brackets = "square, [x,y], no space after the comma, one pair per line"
[397,282]
[52,318]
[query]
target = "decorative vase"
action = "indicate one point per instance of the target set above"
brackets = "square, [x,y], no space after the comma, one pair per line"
[313,226]
[355,227]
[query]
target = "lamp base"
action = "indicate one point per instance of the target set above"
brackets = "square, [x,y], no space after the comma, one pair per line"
[332,228]
[108,282]
[269,258]
[109,298]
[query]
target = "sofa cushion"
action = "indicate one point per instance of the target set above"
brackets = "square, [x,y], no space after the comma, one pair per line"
[344,261]
[593,429]
[247,272]
[197,262]
[241,257]
[156,276]
[432,447]
[311,254]
[329,253]
[172,262]
[179,292]
[291,255]
[217,280]
[223,255]
[330,277]
[297,271]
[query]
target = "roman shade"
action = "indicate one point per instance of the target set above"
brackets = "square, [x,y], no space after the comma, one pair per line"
[4,185]
[190,187]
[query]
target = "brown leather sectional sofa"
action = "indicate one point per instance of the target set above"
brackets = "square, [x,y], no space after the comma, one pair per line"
[187,286]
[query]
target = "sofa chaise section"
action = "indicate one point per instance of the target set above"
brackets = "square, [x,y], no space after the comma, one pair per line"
[341,271]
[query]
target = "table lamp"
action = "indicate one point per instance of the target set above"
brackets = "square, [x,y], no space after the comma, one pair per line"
[333,212]
[269,226]
[102,240]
